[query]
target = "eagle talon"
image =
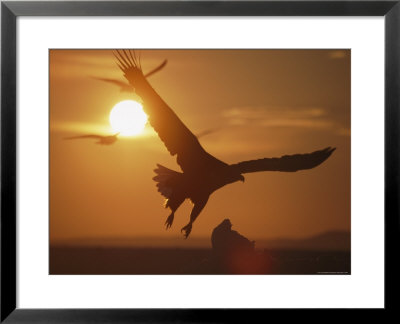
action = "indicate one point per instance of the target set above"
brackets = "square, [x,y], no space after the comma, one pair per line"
[169,221]
[187,229]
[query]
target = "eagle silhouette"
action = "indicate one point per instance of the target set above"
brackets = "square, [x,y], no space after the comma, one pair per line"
[202,173]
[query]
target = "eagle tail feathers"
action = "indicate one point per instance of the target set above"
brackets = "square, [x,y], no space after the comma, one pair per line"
[167,182]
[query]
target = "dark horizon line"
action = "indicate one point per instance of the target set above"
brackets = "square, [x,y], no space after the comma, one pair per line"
[196,239]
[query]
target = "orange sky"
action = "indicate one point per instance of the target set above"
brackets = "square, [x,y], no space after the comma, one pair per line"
[264,103]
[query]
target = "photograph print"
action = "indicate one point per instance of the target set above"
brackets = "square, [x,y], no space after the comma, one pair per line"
[200,161]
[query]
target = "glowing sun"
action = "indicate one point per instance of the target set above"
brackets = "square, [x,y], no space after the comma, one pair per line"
[128,118]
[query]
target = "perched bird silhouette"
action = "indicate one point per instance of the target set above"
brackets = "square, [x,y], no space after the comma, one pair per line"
[102,140]
[225,241]
[202,173]
[126,87]
[235,254]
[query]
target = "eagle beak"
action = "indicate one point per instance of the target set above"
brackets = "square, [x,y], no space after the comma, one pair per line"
[242,178]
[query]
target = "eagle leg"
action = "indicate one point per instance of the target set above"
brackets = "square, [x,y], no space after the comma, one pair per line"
[197,208]
[169,221]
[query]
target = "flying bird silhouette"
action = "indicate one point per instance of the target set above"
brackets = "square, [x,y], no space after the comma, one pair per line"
[126,87]
[102,140]
[202,173]
[207,132]
[111,139]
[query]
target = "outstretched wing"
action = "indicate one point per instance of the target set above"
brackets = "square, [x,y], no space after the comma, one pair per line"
[178,139]
[286,163]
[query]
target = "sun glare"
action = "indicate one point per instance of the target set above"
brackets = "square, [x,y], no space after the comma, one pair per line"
[128,118]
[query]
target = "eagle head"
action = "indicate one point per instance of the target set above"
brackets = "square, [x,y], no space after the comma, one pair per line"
[231,175]
[226,224]
[235,176]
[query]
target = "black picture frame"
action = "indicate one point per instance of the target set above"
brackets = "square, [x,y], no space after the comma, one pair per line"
[10,10]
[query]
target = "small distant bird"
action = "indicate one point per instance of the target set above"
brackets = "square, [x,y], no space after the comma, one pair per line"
[126,87]
[102,140]
[207,132]
[202,173]
[111,139]
[123,87]
[226,242]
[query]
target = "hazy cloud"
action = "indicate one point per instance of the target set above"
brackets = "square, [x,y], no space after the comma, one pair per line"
[343,131]
[303,117]
[98,128]
[278,117]
[340,54]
